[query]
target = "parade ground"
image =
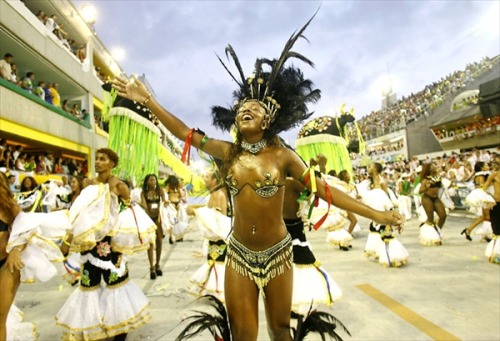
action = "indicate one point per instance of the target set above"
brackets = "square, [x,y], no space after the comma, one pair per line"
[448,292]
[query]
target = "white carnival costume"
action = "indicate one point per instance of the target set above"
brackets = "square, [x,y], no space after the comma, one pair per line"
[174,218]
[42,258]
[94,310]
[312,285]
[17,329]
[336,221]
[209,278]
[381,242]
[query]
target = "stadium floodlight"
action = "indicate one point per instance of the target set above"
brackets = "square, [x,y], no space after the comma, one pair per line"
[88,13]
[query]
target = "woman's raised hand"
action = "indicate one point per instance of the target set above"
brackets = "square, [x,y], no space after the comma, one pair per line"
[132,89]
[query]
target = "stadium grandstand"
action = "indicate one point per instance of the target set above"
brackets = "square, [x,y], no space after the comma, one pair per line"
[459,112]
[51,97]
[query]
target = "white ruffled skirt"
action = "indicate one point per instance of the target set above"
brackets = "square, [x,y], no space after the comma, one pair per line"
[312,287]
[17,329]
[103,312]
[339,238]
[373,245]
[493,250]
[209,280]
[430,235]
[484,230]
[135,231]
[480,198]
[392,253]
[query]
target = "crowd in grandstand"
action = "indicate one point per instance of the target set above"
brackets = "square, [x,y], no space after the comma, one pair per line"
[14,160]
[411,108]
[57,29]
[471,129]
[46,91]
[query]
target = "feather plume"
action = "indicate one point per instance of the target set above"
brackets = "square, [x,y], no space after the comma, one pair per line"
[230,51]
[217,324]
[286,54]
[323,323]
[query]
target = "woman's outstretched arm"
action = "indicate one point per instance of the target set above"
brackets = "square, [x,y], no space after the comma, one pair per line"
[135,90]
[340,199]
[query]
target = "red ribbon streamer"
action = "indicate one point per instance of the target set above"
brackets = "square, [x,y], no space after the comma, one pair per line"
[329,201]
[186,152]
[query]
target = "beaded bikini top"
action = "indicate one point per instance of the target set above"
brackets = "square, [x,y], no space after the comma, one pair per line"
[266,188]
[435,181]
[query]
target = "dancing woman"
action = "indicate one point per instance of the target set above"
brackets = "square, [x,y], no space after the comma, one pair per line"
[481,200]
[9,273]
[254,168]
[215,226]
[430,232]
[176,206]
[151,198]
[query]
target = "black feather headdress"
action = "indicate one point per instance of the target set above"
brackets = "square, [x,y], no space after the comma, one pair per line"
[282,91]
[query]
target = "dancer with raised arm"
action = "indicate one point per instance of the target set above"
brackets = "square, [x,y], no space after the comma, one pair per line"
[255,167]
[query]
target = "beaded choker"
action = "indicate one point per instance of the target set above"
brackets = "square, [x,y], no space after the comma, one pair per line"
[253,148]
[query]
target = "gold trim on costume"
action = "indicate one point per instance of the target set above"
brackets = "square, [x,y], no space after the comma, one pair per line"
[260,266]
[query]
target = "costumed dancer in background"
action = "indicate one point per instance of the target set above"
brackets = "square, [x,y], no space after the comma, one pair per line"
[9,276]
[177,215]
[381,243]
[254,167]
[404,192]
[312,285]
[72,262]
[493,248]
[95,311]
[331,218]
[29,256]
[481,201]
[30,195]
[215,226]
[430,184]
[152,198]
[349,188]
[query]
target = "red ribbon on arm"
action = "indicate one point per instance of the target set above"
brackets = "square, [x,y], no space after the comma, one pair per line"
[329,201]
[186,152]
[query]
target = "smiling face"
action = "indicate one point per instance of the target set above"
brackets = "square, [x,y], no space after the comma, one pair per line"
[250,116]
[209,179]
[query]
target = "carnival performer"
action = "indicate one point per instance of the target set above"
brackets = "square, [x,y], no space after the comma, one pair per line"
[177,214]
[430,231]
[481,201]
[215,226]
[152,198]
[349,188]
[30,195]
[381,243]
[72,262]
[493,248]
[259,255]
[94,311]
[9,277]
[404,195]
[312,285]
[28,255]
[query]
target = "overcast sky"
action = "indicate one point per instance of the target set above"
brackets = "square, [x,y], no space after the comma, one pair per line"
[354,45]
